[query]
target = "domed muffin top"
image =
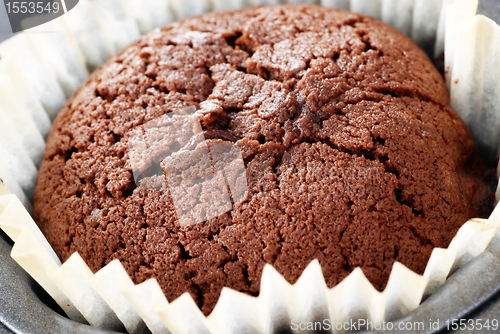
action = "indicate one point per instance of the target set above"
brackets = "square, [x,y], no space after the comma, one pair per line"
[352,154]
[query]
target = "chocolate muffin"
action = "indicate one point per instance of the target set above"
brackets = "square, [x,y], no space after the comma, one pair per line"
[352,154]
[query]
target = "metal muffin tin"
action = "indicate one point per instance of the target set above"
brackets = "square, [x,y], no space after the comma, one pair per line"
[471,293]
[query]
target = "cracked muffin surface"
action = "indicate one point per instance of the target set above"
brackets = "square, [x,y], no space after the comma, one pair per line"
[352,154]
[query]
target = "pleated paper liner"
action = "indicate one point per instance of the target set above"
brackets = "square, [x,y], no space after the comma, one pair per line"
[41,79]
[109,299]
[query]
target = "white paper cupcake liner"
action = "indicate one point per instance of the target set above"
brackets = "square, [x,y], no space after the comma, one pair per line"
[478,42]
[36,73]
[117,27]
[425,22]
[371,8]
[149,14]
[228,4]
[15,159]
[188,8]
[57,47]
[83,24]
[399,14]
[109,299]
[456,14]
[10,183]
[28,100]
[341,4]
[312,2]
[264,2]
[16,115]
